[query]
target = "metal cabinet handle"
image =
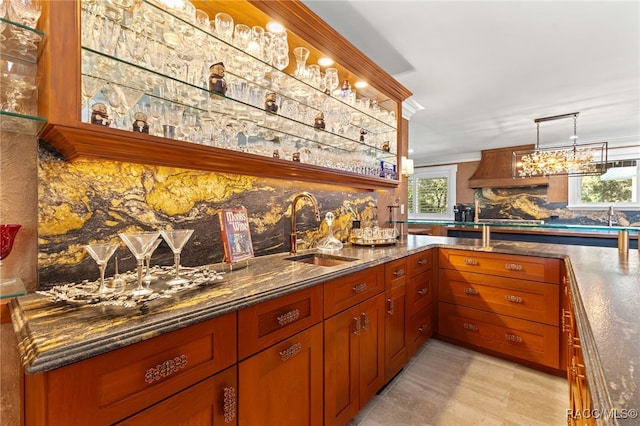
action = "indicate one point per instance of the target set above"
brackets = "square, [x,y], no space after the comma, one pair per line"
[513,299]
[471,262]
[365,321]
[357,326]
[513,267]
[513,338]
[469,326]
[566,321]
[423,328]
[423,291]
[422,262]
[399,272]
[290,351]
[471,291]
[360,288]
[165,369]
[289,317]
[390,310]
[229,404]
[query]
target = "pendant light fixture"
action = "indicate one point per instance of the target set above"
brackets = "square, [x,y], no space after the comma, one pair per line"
[574,160]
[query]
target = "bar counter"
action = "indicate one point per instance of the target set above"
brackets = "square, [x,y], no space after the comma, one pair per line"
[605,286]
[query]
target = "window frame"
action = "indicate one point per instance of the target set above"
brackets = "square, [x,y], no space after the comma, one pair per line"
[575,183]
[449,172]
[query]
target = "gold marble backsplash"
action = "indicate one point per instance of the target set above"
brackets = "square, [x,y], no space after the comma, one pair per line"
[89,201]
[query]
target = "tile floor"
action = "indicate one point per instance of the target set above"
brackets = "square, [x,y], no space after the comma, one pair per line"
[447,385]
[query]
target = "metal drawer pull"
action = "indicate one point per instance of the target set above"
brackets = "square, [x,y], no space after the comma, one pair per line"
[422,262]
[390,310]
[165,369]
[229,404]
[290,351]
[513,338]
[566,321]
[365,318]
[513,267]
[356,330]
[360,288]
[471,291]
[423,291]
[471,262]
[512,298]
[469,326]
[399,272]
[423,328]
[289,317]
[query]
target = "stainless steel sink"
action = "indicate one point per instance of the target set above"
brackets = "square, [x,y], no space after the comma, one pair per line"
[321,259]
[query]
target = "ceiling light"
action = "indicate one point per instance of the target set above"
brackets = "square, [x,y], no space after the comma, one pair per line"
[361,84]
[275,27]
[574,160]
[325,61]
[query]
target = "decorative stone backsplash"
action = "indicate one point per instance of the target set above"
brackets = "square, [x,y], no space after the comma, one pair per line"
[531,204]
[90,201]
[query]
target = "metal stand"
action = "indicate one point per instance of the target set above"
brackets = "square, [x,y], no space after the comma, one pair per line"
[623,241]
[486,236]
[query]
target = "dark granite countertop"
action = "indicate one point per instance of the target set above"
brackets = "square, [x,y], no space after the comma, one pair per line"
[605,286]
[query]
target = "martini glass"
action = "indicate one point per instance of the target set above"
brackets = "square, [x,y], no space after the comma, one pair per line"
[139,244]
[176,239]
[101,253]
[147,258]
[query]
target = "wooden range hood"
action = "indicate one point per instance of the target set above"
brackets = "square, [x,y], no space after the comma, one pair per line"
[495,170]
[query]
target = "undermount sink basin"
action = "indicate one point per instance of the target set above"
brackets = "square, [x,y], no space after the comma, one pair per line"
[321,259]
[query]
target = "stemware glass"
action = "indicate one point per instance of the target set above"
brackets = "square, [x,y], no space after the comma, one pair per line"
[301,54]
[139,244]
[148,277]
[331,79]
[224,26]
[101,253]
[176,239]
[25,12]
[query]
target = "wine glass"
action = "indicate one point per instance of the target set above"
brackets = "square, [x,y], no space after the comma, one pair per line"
[101,253]
[139,244]
[176,239]
[331,79]
[7,236]
[25,12]
[147,258]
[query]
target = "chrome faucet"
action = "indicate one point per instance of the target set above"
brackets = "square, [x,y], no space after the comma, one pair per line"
[613,220]
[293,239]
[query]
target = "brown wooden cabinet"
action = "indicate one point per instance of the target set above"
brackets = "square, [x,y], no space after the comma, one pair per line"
[504,304]
[109,388]
[395,322]
[420,291]
[353,346]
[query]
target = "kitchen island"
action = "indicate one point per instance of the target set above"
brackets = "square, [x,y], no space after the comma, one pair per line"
[604,284]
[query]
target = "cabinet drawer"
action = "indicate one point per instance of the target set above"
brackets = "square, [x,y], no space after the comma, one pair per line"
[522,339]
[420,291]
[269,322]
[419,329]
[344,292]
[395,273]
[505,265]
[528,300]
[420,262]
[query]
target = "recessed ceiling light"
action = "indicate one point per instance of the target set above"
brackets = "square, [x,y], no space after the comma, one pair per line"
[361,84]
[275,27]
[325,62]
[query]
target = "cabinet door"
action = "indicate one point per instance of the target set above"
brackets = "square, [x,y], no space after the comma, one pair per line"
[420,290]
[282,385]
[419,329]
[210,402]
[371,348]
[341,366]
[395,336]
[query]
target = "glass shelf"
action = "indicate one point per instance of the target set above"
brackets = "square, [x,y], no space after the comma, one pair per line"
[19,42]
[12,122]
[189,88]
[11,287]
[515,224]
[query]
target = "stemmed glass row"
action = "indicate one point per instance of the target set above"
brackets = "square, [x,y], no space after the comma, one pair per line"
[142,245]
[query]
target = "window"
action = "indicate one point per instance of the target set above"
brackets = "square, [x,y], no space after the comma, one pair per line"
[618,187]
[432,193]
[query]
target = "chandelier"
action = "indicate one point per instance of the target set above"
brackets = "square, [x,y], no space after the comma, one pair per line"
[574,160]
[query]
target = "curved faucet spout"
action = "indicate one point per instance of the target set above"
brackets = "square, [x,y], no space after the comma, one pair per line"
[314,202]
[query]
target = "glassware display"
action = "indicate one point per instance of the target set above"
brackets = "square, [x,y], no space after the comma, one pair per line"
[161,56]
[101,253]
[148,277]
[176,239]
[139,244]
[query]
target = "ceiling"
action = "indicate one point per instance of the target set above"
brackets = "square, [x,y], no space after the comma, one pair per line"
[484,70]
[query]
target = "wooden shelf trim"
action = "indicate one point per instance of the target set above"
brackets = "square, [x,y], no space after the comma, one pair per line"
[90,141]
